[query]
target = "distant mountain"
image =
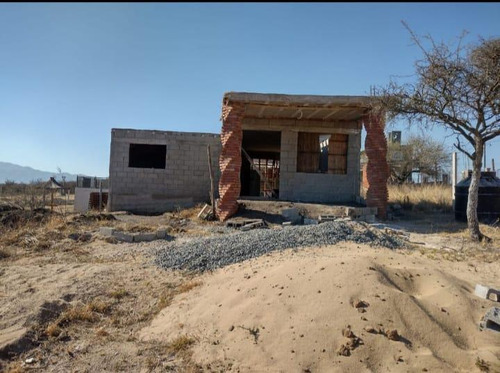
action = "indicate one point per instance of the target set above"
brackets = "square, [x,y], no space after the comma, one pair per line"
[21,174]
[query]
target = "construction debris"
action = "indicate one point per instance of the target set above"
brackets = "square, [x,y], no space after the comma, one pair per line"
[366,214]
[308,221]
[206,212]
[485,292]
[292,215]
[160,234]
[256,224]
[247,224]
[323,218]
[491,320]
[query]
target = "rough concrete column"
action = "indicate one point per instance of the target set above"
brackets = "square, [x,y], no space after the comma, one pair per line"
[377,170]
[230,159]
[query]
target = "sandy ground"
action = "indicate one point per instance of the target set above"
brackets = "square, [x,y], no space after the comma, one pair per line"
[286,313]
[35,291]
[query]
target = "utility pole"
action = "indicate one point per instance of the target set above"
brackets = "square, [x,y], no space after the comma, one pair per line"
[484,148]
[453,176]
[212,186]
[100,195]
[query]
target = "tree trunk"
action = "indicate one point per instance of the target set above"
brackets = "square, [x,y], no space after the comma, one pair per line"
[472,221]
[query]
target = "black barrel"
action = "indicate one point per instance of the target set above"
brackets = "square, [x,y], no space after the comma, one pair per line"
[488,207]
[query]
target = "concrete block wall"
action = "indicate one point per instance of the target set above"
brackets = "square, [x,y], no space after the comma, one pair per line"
[184,181]
[311,187]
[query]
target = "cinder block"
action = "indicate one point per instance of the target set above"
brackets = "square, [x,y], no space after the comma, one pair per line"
[291,215]
[367,218]
[491,320]
[106,231]
[485,292]
[147,237]
[125,237]
[308,221]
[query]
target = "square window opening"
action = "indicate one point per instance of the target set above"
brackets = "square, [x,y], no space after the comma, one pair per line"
[147,156]
[322,153]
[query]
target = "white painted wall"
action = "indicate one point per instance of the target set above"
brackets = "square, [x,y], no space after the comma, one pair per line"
[82,196]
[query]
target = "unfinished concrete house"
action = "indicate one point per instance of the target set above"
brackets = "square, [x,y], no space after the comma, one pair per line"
[287,147]
[157,171]
[300,148]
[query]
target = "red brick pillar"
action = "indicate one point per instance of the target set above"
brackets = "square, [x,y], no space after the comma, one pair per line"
[364,181]
[377,170]
[230,159]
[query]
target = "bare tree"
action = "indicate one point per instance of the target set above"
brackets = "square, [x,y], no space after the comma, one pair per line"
[457,87]
[420,154]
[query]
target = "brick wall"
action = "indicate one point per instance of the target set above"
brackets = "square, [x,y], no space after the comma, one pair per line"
[184,181]
[230,160]
[377,170]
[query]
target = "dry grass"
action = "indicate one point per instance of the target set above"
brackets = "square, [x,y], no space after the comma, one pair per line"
[101,332]
[77,313]
[119,294]
[99,306]
[180,344]
[84,312]
[482,365]
[15,367]
[53,329]
[187,286]
[4,253]
[422,198]
[188,213]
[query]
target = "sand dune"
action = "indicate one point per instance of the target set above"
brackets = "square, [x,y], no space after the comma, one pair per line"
[286,312]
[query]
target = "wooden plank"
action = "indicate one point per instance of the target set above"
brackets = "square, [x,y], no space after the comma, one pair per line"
[314,113]
[308,152]
[262,177]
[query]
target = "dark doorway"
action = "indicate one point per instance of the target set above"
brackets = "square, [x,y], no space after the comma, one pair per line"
[260,174]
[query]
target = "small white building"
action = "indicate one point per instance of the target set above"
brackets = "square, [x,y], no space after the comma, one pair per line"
[90,192]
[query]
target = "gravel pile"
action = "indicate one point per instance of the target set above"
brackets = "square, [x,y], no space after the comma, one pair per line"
[209,253]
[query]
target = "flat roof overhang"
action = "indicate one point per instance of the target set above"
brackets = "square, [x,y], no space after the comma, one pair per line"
[308,107]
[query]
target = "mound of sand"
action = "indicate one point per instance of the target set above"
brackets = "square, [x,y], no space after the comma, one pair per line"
[295,311]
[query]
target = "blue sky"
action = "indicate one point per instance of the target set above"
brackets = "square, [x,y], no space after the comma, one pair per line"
[71,72]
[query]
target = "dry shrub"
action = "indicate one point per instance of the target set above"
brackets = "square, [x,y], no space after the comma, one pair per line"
[99,306]
[119,294]
[4,253]
[77,313]
[164,301]
[482,365]
[15,367]
[422,197]
[187,286]
[53,330]
[180,344]
[188,213]
[492,231]
[101,332]
[83,312]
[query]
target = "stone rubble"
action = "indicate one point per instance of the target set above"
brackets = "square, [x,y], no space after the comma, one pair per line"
[210,253]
